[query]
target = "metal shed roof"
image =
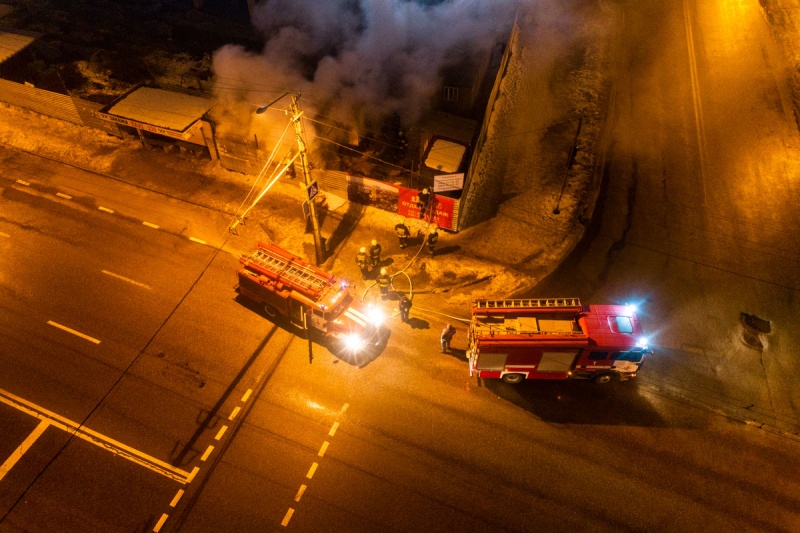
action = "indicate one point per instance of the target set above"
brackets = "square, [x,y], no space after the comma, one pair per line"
[158,107]
[11,43]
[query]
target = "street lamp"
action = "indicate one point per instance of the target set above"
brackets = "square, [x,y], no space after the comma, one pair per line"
[303,155]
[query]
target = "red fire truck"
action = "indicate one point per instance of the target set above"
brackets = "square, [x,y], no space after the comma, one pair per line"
[554,338]
[311,298]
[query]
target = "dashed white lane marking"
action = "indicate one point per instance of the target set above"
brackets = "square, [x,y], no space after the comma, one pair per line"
[221,432]
[332,432]
[64,196]
[234,412]
[105,209]
[344,408]
[207,452]
[17,454]
[198,241]
[322,449]
[192,474]
[150,225]
[247,395]
[76,333]
[23,182]
[287,517]
[160,522]
[128,280]
[300,492]
[4,235]
[311,470]
[177,498]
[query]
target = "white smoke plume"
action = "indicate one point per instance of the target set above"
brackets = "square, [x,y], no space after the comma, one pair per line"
[358,61]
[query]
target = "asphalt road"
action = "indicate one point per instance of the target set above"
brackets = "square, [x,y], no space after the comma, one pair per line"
[698,219]
[169,405]
[196,413]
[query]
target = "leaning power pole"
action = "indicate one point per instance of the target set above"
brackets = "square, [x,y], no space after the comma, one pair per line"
[311,192]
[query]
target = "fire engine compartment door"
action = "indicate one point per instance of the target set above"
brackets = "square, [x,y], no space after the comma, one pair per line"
[491,361]
[557,361]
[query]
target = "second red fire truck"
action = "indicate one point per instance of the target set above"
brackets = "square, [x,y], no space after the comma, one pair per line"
[284,284]
[554,338]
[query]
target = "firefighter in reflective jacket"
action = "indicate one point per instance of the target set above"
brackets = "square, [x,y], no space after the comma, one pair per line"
[383,281]
[374,253]
[361,261]
[402,234]
[424,200]
[433,237]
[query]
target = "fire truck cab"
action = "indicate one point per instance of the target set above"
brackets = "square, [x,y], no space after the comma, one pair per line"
[554,338]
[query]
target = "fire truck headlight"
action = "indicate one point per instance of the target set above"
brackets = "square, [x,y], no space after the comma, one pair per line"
[354,342]
[642,343]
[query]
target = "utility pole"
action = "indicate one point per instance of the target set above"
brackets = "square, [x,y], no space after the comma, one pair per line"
[312,209]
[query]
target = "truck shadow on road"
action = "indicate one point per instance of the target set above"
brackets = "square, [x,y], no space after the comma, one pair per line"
[581,402]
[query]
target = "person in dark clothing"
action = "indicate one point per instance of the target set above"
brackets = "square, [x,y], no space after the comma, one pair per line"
[374,253]
[433,238]
[383,281]
[404,305]
[447,336]
[402,234]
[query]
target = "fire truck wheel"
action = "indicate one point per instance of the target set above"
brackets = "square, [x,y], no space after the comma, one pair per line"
[602,379]
[513,378]
[270,311]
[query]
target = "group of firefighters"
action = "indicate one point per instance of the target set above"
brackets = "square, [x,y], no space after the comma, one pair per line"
[369,258]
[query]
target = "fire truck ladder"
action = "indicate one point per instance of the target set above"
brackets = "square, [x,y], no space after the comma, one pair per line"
[302,276]
[527,302]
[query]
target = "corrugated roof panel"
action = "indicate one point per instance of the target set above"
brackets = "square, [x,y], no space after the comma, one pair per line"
[11,43]
[166,109]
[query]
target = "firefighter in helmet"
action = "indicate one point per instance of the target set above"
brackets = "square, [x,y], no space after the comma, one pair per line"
[433,238]
[374,253]
[362,262]
[383,281]
[424,200]
[402,233]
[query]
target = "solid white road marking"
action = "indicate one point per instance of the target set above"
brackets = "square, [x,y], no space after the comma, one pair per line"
[105,209]
[23,182]
[177,498]
[76,333]
[323,448]
[160,522]
[221,432]
[64,196]
[300,492]
[98,439]
[128,280]
[150,225]
[198,241]
[17,454]
[288,517]
[312,470]
[335,426]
